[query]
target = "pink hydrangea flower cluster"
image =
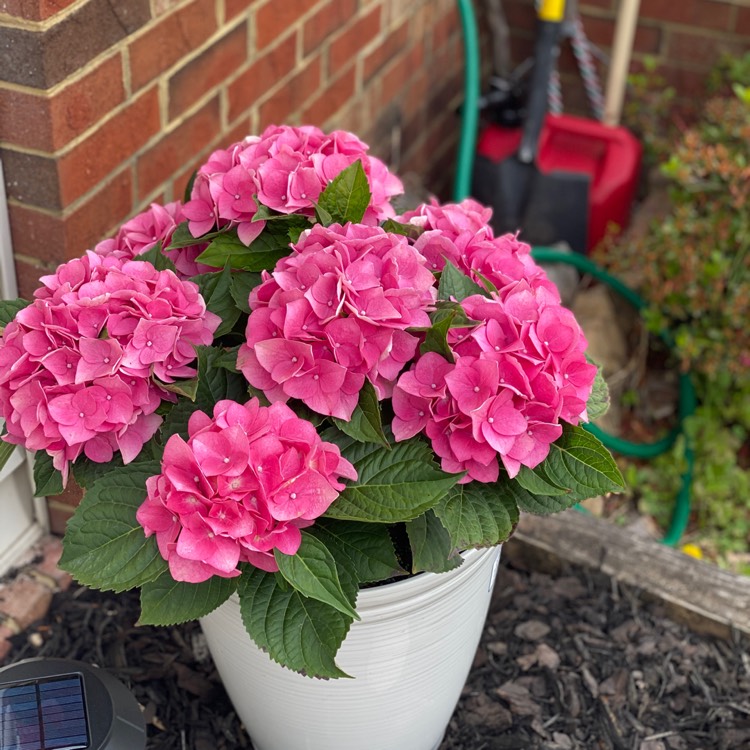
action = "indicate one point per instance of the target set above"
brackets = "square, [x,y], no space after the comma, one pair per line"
[77,366]
[142,232]
[334,312]
[461,234]
[516,375]
[287,168]
[243,484]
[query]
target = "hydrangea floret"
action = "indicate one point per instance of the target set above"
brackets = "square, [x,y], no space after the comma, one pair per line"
[283,390]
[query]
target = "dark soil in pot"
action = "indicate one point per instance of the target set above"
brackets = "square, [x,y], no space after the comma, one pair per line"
[568,662]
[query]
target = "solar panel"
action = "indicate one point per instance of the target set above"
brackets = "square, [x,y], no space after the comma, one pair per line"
[44,714]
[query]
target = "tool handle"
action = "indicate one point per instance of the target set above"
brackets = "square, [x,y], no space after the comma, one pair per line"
[545,52]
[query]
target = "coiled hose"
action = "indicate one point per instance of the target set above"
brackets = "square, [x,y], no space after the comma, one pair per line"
[462,189]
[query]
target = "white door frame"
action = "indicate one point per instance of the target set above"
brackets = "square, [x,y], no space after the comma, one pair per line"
[23,517]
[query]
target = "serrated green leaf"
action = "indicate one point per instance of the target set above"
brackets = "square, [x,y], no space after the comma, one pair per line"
[215,288]
[6,451]
[261,255]
[47,479]
[598,402]
[537,504]
[436,339]
[187,388]
[347,196]
[454,312]
[105,547]
[412,231]
[227,359]
[579,463]
[393,485]
[299,633]
[243,282]
[86,471]
[431,547]
[538,483]
[322,216]
[165,601]
[157,259]
[477,514]
[181,237]
[366,423]
[9,308]
[312,571]
[486,283]
[367,545]
[456,285]
[188,192]
[215,383]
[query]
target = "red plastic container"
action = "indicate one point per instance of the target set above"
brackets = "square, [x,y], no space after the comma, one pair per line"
[609,156]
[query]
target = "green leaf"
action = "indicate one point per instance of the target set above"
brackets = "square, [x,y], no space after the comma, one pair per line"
[47,479]
[165,601]
[454,312]
[227,359]
[537,504]
[347,196]
[215,382]
[577,462]
[6,451]
[538,483]
[455,284]
[188,192]
[243,282]
[488,285]
[187,388]
[181,237]
[436,338]
[105,547]
[86,471]
[322,216]
[300,633]
[412,231]
[431,547]
[477,514]
[215,288]
[312,571]
[366,424]
[598,402]
[261,255]
[157,259]
[367,545]
[9,308]
[393,485]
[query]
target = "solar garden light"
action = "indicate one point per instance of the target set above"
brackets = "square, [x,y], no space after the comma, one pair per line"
[61,704]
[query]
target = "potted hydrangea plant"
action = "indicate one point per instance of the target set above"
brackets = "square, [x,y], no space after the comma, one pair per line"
[279,394]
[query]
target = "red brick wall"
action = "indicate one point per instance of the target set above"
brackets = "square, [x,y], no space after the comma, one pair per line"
[685,36]
[107,106]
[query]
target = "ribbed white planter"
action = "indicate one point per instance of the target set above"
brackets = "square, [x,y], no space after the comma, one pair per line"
[410,655]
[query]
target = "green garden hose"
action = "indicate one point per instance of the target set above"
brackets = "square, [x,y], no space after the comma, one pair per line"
[467,141]
[686,398]
[462,189]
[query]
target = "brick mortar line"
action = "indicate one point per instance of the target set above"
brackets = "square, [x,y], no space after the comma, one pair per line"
[120,49]
[14,22]
[72,79]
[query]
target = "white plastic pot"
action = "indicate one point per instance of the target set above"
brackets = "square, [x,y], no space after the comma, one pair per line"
[410,655]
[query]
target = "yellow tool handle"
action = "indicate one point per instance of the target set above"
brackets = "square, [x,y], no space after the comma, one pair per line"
[551,10]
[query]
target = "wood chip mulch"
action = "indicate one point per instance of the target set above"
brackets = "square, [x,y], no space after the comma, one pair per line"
[566,663]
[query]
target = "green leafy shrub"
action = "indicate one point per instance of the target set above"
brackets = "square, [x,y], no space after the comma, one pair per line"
[693,268]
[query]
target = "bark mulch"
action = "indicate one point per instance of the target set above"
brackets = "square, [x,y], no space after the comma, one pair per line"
[569,662]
